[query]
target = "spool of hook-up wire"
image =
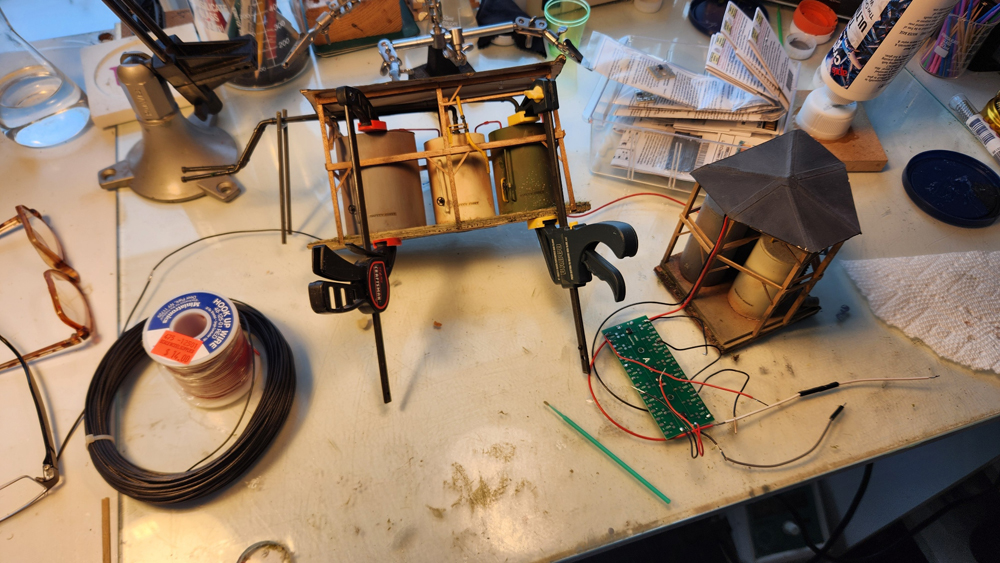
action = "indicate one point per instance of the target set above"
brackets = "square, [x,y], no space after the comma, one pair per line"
[127,353]
[196,338]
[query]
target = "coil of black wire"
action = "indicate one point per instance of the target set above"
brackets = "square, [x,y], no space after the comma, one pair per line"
[168,488]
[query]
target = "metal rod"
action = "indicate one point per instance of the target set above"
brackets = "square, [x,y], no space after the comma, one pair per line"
[383,370]
[557,194]
[426,40]
[244,159]
[288,171]
[281,177]
[352,138]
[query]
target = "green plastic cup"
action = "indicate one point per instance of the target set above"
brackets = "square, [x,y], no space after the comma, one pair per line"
[570,13]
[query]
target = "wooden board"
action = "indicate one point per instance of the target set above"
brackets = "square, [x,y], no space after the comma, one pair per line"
[859,150]
[366,19]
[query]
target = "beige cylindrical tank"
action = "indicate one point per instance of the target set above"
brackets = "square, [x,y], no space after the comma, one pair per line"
[472,179]
[770,259]
[393,195]
[693,258]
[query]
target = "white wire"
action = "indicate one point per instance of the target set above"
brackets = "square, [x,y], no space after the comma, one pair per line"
[839,383]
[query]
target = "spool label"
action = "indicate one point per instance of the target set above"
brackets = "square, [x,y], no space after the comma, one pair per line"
[177,347]
[200,321]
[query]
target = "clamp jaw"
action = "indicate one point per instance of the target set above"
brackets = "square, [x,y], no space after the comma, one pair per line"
[449,44]
[571,256]
[361,285]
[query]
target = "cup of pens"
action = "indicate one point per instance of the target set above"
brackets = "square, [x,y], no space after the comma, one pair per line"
[961,36]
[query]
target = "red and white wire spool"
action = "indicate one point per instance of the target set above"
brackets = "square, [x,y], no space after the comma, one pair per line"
[197,338]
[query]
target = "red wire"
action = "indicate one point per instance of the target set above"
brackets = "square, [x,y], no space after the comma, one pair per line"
[614,201]
[476,130]
[590,384]
[656,371]
[694,289]
[704,270]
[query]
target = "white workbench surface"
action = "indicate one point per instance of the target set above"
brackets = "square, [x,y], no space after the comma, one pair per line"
[465,463]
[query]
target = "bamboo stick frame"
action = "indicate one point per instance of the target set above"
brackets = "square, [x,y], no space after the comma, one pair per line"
[436,96]
[808,269]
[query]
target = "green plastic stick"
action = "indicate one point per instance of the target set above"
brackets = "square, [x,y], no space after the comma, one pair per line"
[624,465]
[781,33]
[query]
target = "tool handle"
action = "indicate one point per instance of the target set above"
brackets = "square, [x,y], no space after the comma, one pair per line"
[606,272]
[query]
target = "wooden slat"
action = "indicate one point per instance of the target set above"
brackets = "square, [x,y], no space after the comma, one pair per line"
[469,225]
[456,150]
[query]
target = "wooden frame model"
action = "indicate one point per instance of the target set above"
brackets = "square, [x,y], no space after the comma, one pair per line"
[437,95]
[724,327]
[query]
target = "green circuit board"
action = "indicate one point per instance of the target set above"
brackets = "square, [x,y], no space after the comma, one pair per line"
[638,340]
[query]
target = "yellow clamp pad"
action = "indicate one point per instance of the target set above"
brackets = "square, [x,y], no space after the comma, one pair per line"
[540,222]
[519,118]
[535,94]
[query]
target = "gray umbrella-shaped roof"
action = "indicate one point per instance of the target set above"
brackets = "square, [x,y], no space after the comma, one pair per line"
[790,187]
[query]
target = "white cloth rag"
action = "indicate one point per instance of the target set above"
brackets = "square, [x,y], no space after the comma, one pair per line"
[949,301]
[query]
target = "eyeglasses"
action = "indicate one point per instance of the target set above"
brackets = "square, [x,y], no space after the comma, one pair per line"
[24,491]
[63,282]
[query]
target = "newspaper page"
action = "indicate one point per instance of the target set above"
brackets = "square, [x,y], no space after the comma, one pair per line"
[632,67]
[736,27]
[667,113]
[723,63]
[770,51]
[676,156]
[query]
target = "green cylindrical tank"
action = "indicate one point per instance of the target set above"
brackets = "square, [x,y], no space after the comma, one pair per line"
[523,175]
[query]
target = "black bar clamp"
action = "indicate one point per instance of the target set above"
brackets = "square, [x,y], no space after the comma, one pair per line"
[361,285]
[571,256]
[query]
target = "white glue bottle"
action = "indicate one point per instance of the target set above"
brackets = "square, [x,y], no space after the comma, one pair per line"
[877,43]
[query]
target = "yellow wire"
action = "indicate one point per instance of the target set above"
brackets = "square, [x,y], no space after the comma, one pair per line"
[468,136]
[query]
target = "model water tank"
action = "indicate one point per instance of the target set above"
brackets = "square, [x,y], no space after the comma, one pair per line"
[393,194]
[472,181]
[523,175]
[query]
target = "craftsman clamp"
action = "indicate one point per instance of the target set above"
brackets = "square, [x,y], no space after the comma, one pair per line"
[361,285]
[571,257]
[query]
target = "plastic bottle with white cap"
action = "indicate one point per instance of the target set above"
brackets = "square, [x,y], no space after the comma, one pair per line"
[876,44]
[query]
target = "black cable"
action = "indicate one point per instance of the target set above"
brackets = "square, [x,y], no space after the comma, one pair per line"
[916,529]
[166,488]
[196,241]
[149,279]
[243,413]
[839,530]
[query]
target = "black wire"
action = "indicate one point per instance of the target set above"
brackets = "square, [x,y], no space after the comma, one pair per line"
[826,430]
[593,346]
[149,279]
[175,251]
[877,555]
[855,502]
[253,377]
[167,488]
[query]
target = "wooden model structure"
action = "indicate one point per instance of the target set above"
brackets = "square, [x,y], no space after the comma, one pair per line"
[437,95]
[790,188]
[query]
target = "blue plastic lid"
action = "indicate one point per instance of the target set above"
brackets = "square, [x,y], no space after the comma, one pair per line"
[706,15]
[953,188]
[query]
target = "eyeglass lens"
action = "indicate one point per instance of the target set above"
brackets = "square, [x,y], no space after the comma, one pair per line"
[71,300]
[18,494]
[45,236]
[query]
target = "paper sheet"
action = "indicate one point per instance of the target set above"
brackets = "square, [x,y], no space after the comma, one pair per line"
[632,67]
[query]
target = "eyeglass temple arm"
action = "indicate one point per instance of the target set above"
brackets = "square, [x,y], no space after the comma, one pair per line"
[50,471]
